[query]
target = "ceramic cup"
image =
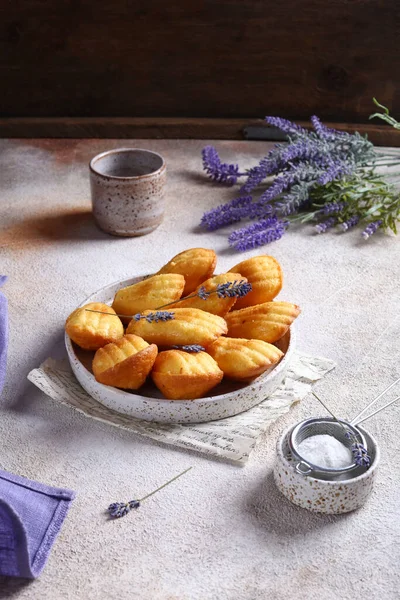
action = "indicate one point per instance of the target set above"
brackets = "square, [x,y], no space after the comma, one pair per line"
[348,492]
[127,186]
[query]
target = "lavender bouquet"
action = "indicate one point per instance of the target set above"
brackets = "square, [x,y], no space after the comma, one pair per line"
[324,176]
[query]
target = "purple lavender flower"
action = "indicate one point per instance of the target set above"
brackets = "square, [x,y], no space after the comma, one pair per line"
[256,175]
[202,293]
[336,170]
[324,132]
[325,225]
[190,348]
[225,214]
[298,197]
[120,509]
[332,207]
[371,229]
[281,183]
[220,172]
[285,125]
[258,234]
[235,289]
[269,165]
[159,315]
[302,149]
[360,455]
[352,222]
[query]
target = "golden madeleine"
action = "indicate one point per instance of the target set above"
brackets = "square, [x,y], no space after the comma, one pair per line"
[213,304]
[268,321]
[125,363]
[92,330]
[150,293]
[179,375]
[242,359]
[195,264]
[265,275]
[189,326]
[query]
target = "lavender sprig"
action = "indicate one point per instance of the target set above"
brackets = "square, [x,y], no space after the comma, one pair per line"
[190,348]
[223,290]
[230,289]
[352,222]
[258,234]
[120,509]
[117,510]
[218,171]
[360,453]
[371,229]
[153,317]
[325,225]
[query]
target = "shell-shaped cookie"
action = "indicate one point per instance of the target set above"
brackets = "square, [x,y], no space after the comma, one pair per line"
[181,375]
[265,275]
[189,326]
[213,304]
[150,293]
[242,359]
[92,330]
[125,363]
[267,322]
[195,264]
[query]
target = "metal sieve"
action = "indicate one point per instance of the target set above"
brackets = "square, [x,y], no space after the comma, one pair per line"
[323,426]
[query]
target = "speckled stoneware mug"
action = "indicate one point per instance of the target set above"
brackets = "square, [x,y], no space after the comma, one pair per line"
[127,186]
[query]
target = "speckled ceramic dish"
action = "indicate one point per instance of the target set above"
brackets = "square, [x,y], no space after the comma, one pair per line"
[127,186]
[342,495]
[225,400]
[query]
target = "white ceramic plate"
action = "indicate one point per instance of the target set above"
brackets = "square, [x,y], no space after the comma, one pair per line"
[225,400]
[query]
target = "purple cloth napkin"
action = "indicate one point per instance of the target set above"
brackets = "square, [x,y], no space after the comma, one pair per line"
[3,334]
[31,516]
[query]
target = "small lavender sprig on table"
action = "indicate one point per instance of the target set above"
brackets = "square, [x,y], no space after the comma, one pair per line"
[319,175]
[117,510]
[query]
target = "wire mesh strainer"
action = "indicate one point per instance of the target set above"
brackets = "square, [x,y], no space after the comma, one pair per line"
[323,426]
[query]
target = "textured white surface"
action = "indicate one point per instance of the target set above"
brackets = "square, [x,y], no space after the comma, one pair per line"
[221,532]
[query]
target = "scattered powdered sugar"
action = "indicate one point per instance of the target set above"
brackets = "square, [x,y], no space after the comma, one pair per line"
[325,451]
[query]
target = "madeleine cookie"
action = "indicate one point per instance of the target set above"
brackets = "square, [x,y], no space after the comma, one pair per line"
[213,304]
[125,363]
[92,330]
[189,326]
[150,293]
[265,275]
[242,359]
[181,375]
[267,322]
[195,264]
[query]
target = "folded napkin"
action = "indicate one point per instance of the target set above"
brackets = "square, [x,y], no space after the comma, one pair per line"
[3,334]
[31,515]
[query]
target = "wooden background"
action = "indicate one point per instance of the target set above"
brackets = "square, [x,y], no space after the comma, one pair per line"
[99,66]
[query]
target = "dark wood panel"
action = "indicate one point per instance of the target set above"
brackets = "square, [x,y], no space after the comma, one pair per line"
[141,128]
[199,58]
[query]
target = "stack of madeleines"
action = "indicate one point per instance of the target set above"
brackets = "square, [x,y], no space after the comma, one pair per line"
[237,333]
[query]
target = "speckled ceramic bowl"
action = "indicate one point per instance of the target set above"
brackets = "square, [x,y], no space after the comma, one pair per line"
[127,186]
[345,494]
[225,400]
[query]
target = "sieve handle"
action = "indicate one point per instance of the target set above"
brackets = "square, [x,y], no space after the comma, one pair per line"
[305,471]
